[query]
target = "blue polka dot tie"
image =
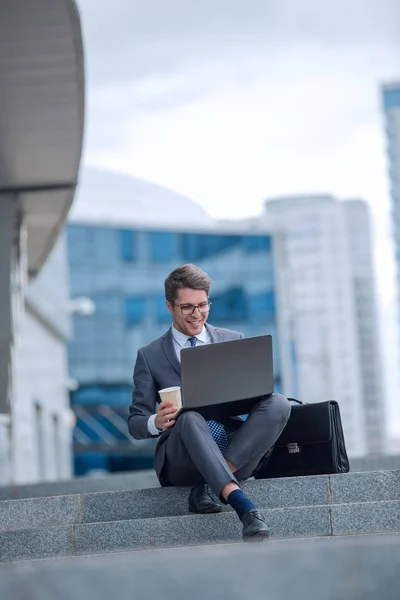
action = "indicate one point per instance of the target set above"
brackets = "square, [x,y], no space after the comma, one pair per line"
[217,429]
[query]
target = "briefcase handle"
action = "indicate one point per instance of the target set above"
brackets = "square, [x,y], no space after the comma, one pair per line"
[295,400]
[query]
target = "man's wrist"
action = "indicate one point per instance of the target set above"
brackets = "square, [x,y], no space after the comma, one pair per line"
[152,427]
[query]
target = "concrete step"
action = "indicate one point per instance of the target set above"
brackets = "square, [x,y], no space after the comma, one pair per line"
[133,480]
[119,521]
[364,567]
[189,530]
[322,490]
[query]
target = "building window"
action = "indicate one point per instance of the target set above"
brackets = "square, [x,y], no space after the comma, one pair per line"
[135,310]
[164,246]
[127,245]
[391,98]
[196,247]
[162,315]
[78,245]
[95,395]
[40,442]
[230,306]
[57,447]
[263,304]
[256,243]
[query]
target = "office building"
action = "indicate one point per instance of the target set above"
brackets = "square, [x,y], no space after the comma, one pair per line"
[41,130]
[42,419]
[333,309]
[359,234]
[119,256]
[391,106]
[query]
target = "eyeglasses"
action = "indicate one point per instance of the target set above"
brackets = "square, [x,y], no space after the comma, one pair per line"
[188,309]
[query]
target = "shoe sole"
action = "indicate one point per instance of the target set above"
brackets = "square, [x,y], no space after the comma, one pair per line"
[258,537]
[209,511]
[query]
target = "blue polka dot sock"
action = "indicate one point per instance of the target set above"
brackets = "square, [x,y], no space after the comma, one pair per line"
[240,503]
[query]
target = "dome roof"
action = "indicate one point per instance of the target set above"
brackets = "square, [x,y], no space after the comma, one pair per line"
[111,198]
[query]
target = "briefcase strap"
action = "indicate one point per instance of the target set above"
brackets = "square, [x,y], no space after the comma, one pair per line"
[295,400]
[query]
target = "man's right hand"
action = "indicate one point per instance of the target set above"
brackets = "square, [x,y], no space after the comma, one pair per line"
[165,415]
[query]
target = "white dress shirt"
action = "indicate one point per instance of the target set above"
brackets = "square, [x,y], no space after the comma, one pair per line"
[181,340]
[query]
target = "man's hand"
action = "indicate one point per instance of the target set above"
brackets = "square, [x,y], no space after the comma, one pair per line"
[165,415]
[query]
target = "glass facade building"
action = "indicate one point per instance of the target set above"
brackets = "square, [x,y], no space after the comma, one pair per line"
[123,272]
[391,107]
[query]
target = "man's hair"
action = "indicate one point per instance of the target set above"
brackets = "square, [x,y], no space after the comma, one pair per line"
[186,276]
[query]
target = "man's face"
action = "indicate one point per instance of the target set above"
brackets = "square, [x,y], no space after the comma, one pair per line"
[190,324]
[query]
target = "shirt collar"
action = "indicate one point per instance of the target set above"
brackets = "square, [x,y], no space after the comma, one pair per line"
[182,338]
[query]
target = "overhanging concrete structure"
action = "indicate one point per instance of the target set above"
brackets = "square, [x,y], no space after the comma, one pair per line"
[41,132]
[41,115]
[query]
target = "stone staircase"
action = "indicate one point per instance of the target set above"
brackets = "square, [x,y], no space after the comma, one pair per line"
[121,521]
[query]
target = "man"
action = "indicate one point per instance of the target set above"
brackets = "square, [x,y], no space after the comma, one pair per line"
[190,450]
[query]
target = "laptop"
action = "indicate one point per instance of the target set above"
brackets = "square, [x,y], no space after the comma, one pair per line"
[227,379]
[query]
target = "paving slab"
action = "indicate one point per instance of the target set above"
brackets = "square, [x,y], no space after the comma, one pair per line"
[330,569]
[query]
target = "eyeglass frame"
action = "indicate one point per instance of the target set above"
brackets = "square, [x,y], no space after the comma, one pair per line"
[193,307]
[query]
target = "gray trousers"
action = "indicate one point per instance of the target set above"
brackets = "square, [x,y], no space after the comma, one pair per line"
[191,452]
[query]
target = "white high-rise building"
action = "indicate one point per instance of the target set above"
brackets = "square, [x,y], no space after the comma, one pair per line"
[391,105]
[326,312]
[359,232]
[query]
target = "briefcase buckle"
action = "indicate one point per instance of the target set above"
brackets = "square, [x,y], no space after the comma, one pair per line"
[293,448]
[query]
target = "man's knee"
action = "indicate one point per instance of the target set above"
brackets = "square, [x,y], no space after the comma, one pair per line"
[189,418]
[279,408]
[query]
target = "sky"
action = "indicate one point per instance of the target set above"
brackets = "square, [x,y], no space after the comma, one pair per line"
[232,102]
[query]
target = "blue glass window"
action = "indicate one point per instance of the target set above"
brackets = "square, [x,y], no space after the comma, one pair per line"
[107,304]
[78,244]
[195,247]
[127,245]
[164,246]
[262,304]
[230,306]
[256,243]
[113,395]
[162,315]
[391,98]
[105,246]
[135,310]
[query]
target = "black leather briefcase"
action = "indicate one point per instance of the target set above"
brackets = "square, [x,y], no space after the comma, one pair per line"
[312,443]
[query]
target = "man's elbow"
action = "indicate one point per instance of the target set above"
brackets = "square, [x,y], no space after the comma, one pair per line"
[137,431]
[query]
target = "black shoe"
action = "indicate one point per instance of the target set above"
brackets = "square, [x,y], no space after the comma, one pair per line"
[254,526]
[201,501]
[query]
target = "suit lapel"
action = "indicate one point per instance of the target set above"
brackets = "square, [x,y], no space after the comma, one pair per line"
[168,347]
[215,334]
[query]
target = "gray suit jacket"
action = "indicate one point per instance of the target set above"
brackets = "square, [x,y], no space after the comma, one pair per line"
[158,367]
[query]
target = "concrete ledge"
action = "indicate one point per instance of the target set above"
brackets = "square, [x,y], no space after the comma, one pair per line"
[195,530]
[189,530]
[139,534]
[147,480]
[165,502]
[365,487]
[32,513]
[367,517]
[36,543]
[39,512]
[82,485]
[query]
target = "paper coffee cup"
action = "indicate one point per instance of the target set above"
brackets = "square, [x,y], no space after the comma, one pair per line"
[172,394]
